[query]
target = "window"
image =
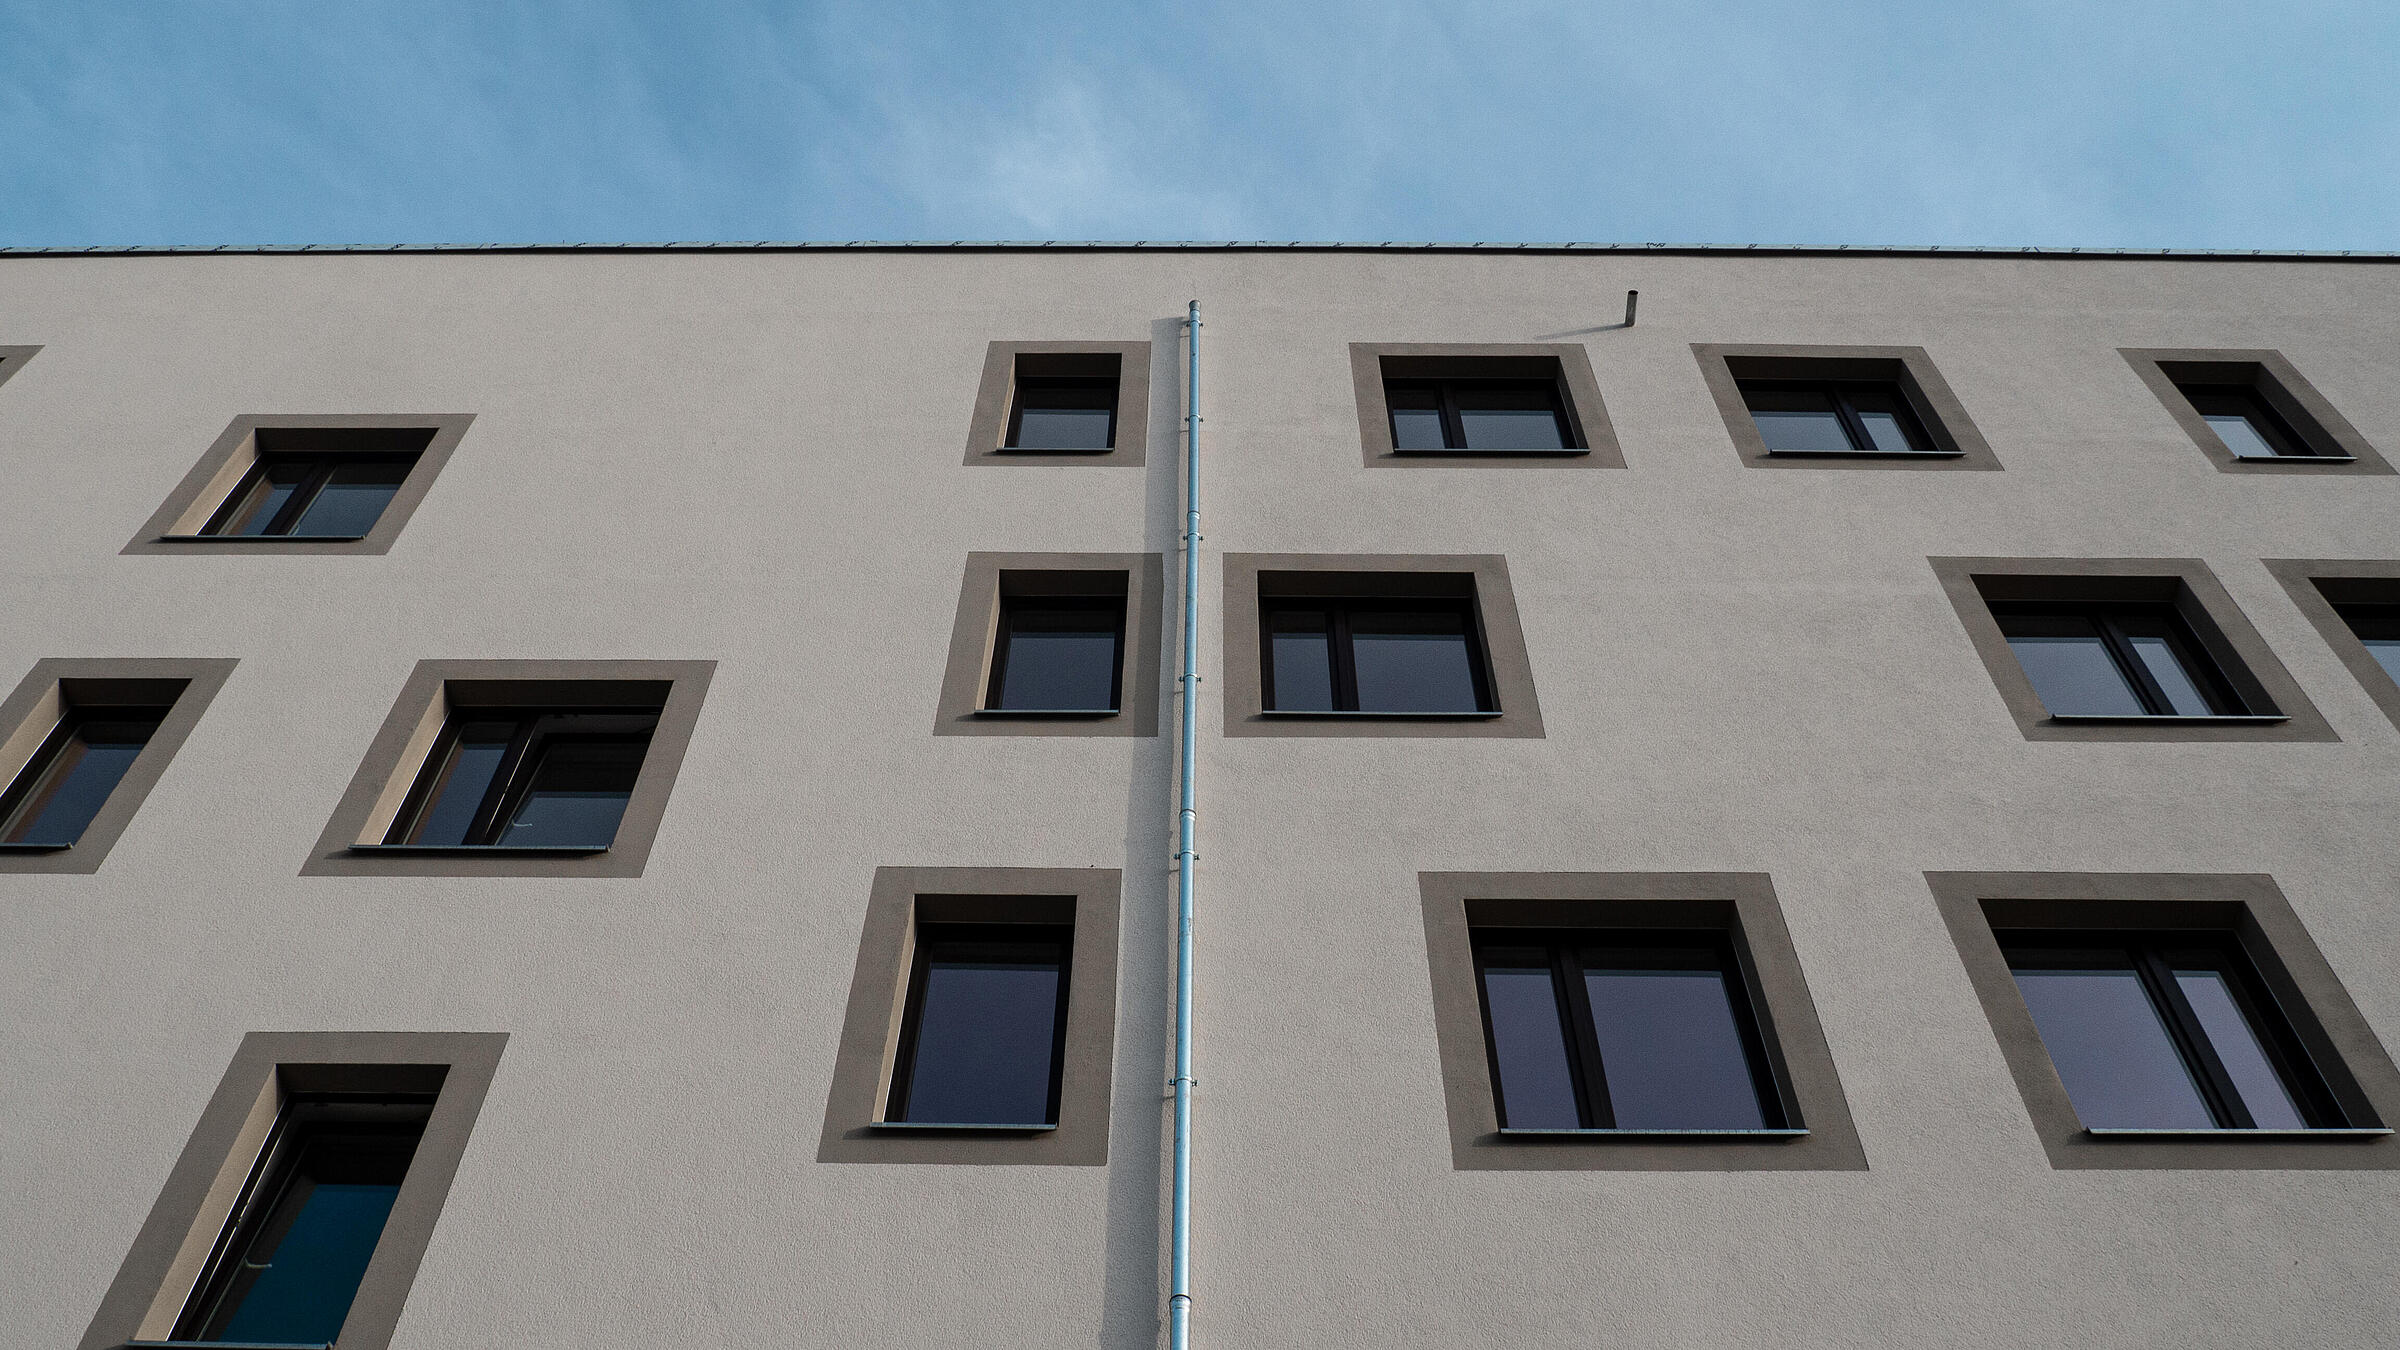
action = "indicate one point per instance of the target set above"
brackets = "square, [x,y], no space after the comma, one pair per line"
[1824,407]
[1835,417]
[13,359]
[981,1039]
[307,1195]
[2170,1020]
[1627,1020]
[1055,644]
[519,778]
[981,1022]
[1494,403]
[1629,1030]
[1379,657]
[2355,605]
[2115,661]
[337,484]
[2378,630]
[2164,1031]
[2124,649]
[2253,412]
[1369,644]
[308,1221]
[1061,403]
[509,768]
[82,742]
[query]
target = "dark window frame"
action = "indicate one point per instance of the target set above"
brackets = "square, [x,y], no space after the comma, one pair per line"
[1564,366]
[2241,656]
[37,783]
[2321,587]
[32,716]
[1842,395]
[927,937]
[1587,1064]
[1004,644]
[178,526]
[995,412]
[2274,382]
[2245,910]
[1954,441]
[2108,620]
[1339,612]
[1445,390]
[1012,440]
[320,468]
[519,768]
[962,705]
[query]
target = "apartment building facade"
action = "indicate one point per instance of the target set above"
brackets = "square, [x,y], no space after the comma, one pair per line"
[621,797]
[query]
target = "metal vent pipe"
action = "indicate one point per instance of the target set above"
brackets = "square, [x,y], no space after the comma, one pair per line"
[1179,1260]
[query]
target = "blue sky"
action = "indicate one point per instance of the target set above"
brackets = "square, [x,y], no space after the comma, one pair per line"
[2137,124]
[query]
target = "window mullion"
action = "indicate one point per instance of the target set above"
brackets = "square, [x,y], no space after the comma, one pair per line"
[2154,699]
[486,826]
[1591,1075]
[1345,671]
[1454,427]
[2224,1098]
[1852,427]
[298,503]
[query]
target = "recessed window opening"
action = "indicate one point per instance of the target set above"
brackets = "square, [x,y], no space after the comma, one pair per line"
[289,1262]
[1064,402]
[983,1033]
[1835,417]
[1624,1030]
[2378,630]
[1476,414]
[1058,654]
[69,779]
[318,483]
[2116,660]
[1374,655]
[527,778]
[2248,424]
[2166,1031]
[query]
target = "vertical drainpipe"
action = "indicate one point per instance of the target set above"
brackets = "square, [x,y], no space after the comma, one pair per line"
[1179,1299]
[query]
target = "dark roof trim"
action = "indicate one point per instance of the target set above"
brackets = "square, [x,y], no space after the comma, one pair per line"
[1237,246]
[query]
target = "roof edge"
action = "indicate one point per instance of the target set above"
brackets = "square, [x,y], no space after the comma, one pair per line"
[1224,246]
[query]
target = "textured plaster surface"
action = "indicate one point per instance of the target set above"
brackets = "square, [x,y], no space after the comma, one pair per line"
[754,459]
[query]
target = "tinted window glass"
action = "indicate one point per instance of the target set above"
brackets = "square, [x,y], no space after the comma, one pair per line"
[2250,428]
[576,791]
[2070,665]
[1885,417]
[985,1017]
[2111,1048]
[2377,626]
[71,777]
[1509,415]
[1064,414]
[459,784]
[352,498]
[1059,656]
[2160,649]
[1670,1038]
[1300,648]
[1803,420]
[1416,416]
[298,1254]
[261,497]
[1413,661]
[2209,988]
[1529,1043]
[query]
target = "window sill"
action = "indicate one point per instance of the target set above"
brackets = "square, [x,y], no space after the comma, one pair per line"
[478,850]
[1867,454]
[35,848]
[940,1128]
[1047,712]
[226,1345]
[2295,459]
[1055,450]
[2328,1134]
[1346,716]
[1652,1134]
[2146,719]
[253,539]
[1469,453]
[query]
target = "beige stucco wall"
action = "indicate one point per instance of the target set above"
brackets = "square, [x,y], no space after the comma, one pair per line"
[754,458]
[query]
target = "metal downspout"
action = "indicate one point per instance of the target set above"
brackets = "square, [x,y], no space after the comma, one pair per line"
[1179,1299]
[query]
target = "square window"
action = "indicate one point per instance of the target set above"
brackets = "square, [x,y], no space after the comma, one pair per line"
[1642,1020]
[504,768]
[2124,649]
[1840,407]
[81,744]
[2167,1020]
[1437,403]
[980,1026]
[1061,403]
[2253,412]
[1054,644]
[1374,645]
[2355,605]
[304,485]
[305,1199]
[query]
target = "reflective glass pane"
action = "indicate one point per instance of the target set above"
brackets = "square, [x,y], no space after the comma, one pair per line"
[1416,417]
[1798,420]
[2111,1049]
[1891,427]
[2241,435]
[1412,661]
[353,499]
[2386,652]
[986,1031]
[87,759]
[1063,658]
[2377,626]
[577,793]
[460,782]
[1302,654]
[300,1268]
[2239,1049]
[255,503]
[2246,422]
[1670,1045]
[2159,657]
[1529,1042]
[1060,414]
[1509,416]
[2070,666]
